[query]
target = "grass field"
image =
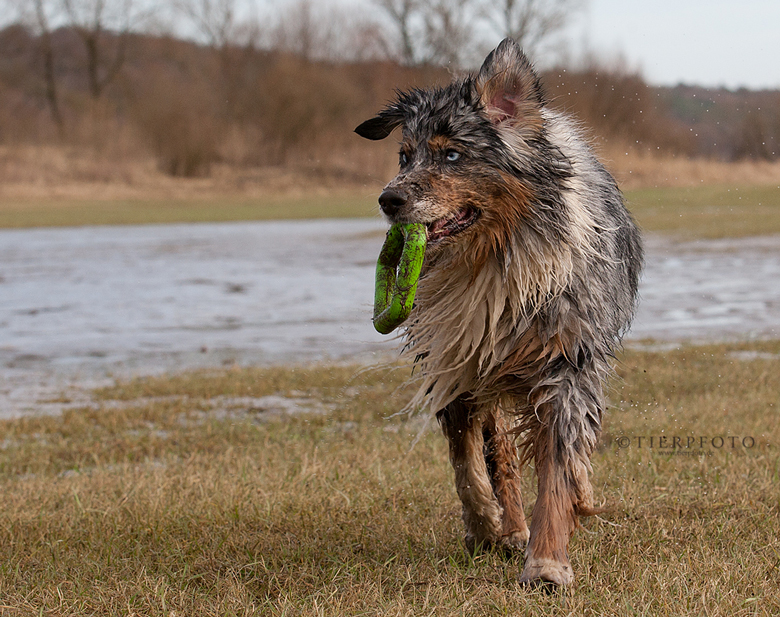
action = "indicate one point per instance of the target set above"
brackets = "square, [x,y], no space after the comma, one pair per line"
[708,211]
[699,212]
[164,500]
[63,213]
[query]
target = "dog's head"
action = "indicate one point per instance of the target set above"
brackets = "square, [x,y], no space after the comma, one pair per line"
[466,150]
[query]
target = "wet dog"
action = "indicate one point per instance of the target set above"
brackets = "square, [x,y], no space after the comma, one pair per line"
[528,284]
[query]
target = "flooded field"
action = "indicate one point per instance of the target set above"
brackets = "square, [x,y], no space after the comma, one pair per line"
[80,306]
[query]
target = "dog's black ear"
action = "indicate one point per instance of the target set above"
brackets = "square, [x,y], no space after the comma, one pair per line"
[381,125]
[508,85]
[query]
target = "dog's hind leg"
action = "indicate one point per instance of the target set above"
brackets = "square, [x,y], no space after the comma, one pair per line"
[504,469]
[462,424]
[562,432]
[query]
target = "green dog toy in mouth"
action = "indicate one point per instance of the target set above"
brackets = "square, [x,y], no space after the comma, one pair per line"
[397,272]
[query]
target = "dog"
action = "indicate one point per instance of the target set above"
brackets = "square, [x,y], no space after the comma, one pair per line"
[528,284]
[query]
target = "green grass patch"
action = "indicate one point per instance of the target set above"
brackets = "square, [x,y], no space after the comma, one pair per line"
[72,213]
[160,501]
[700,212]
[708,211]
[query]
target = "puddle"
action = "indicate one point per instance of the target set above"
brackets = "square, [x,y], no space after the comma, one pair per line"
[82,306]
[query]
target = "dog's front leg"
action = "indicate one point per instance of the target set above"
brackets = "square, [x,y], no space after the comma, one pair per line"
[462,425]
[504,468]
[567,417]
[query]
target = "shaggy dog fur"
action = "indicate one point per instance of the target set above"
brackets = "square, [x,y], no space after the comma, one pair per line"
[529,282]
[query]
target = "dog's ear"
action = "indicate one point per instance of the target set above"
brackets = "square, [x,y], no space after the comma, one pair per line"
[508,86]
[381,125]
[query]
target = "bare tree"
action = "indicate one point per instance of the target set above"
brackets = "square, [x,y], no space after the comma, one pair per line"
[300,31]
[91,19]
[446,31]
[369,41]
[38,15]
[529,22]
[215,20]
[233,39]
[41,20]
[449,31]
[403,14]
[432,31]
[328,32]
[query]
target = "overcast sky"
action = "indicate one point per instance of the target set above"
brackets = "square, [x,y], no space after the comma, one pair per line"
[710,43]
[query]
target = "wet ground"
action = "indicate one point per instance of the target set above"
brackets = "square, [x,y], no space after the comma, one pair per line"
[81,306]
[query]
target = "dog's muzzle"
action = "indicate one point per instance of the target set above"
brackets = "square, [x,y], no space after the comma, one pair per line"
[391,201]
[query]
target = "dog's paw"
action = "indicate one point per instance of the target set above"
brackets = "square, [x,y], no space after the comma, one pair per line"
[546,573]
[514,541]
[475,546]
[478,546]
[508,545]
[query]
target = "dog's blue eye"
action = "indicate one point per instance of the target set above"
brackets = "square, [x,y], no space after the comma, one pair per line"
[404,159]
[453,156]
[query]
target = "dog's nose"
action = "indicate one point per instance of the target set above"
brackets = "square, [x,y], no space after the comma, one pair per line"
[391,202]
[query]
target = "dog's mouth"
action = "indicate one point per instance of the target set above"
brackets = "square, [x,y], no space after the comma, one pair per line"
[449,226]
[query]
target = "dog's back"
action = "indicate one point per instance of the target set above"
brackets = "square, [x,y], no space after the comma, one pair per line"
[529,282]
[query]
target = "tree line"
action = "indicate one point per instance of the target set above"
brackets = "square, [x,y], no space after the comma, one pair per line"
[200,81]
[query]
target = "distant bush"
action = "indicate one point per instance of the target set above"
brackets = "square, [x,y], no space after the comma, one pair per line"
[620,108]
[192,105]
[177,118]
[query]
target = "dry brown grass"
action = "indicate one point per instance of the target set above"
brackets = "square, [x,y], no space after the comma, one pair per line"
[48,186]
[635,170]
[166,505]
[59,173]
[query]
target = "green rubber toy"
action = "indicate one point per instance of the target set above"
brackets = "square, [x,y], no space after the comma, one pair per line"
[397,272]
